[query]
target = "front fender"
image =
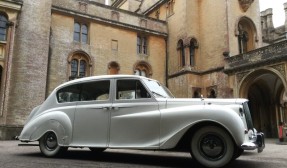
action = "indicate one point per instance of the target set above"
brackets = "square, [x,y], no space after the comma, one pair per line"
[177,121]
[55,121]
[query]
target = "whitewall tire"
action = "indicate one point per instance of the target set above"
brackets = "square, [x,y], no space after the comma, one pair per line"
[212,146]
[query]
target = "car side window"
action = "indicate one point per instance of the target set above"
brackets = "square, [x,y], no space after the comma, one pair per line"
[131,89]
[90,91]
[69,94]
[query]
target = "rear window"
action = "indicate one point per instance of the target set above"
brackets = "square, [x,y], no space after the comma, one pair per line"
[91,91]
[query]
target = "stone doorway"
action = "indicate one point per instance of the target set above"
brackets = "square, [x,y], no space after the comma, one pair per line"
[264,89]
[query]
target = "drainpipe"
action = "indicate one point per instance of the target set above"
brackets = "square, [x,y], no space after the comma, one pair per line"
[227,27]
[166,63]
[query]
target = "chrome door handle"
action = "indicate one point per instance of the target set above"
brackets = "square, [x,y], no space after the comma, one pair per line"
[106,108]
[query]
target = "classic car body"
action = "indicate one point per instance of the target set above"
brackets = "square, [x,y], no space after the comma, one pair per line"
[127,111]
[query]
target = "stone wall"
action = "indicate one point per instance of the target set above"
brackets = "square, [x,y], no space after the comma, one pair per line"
[28,63]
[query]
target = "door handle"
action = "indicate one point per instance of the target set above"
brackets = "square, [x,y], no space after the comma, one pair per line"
[115,108]
[106,108]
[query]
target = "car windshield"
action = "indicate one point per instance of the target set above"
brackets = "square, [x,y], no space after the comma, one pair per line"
[157,89]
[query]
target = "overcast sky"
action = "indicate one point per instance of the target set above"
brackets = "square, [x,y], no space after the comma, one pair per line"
[278,10]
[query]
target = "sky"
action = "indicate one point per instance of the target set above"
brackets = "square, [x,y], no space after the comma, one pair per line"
[278,10]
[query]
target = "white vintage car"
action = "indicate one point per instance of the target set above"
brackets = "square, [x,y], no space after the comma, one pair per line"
[126,111]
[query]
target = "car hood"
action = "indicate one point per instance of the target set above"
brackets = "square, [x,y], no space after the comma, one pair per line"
[175,102]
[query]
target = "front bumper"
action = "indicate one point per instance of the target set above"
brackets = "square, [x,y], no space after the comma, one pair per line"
[259,144]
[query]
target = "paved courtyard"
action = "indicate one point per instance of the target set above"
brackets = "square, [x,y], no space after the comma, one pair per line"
[14,156]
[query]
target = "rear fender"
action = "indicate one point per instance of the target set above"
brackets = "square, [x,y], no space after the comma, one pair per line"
[57,122]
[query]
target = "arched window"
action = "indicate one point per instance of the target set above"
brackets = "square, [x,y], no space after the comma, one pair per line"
[143,68]
[3,27]
[81,33]
[79,66]
[114,68]
[246,34]
[192,46]
[180,49]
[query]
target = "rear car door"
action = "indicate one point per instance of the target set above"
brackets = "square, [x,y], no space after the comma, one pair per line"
[92,116]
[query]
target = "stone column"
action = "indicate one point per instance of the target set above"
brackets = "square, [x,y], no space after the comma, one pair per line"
[269,14]
[29,63]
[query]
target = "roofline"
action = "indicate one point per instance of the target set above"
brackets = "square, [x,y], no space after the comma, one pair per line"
[152,8]
[90,78]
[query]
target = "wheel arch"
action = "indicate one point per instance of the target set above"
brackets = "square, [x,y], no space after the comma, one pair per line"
[57,122]
[184,142]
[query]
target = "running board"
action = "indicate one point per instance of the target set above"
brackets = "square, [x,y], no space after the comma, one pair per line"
[28,144]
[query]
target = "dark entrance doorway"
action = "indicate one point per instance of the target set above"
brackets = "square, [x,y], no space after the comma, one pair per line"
[264,90]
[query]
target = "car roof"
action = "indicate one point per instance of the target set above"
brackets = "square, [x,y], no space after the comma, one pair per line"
[91,78]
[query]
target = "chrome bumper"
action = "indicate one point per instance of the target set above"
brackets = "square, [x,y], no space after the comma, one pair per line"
[259,144]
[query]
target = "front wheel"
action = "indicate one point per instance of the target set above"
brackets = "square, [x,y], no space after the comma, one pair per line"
[212,146]
[49,145]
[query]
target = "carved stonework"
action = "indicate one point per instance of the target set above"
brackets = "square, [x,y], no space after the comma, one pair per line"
[245,4]
[143,23]
[83,7]
[280,68]
[240,76]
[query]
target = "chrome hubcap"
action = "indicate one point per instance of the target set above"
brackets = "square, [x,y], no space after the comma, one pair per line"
[212,147]
[51,141]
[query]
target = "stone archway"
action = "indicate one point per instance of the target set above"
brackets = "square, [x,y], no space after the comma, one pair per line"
[265,89]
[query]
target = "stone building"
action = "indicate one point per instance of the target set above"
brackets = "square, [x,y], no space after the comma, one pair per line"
[219,50]
[48,42]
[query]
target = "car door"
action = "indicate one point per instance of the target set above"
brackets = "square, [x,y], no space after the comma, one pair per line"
[135,116]
[92,116]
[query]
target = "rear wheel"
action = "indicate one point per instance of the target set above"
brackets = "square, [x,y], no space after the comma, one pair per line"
[49,145]
[212,147]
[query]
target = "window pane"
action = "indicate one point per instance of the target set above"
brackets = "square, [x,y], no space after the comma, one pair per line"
[82,68]
[139,44]
[84,29]
[126,89]
[145,45]
[2,35]
[3,28]
[141,91]
[84,34]
[84,38]
[77,32]
[77,37]
[3,24]
[192,51]
[69,94]
[98,90]
[74,68]
[76,27]
[182,53]
[131,89]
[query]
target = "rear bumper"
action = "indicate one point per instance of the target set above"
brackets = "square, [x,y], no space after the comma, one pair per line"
[259,144]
